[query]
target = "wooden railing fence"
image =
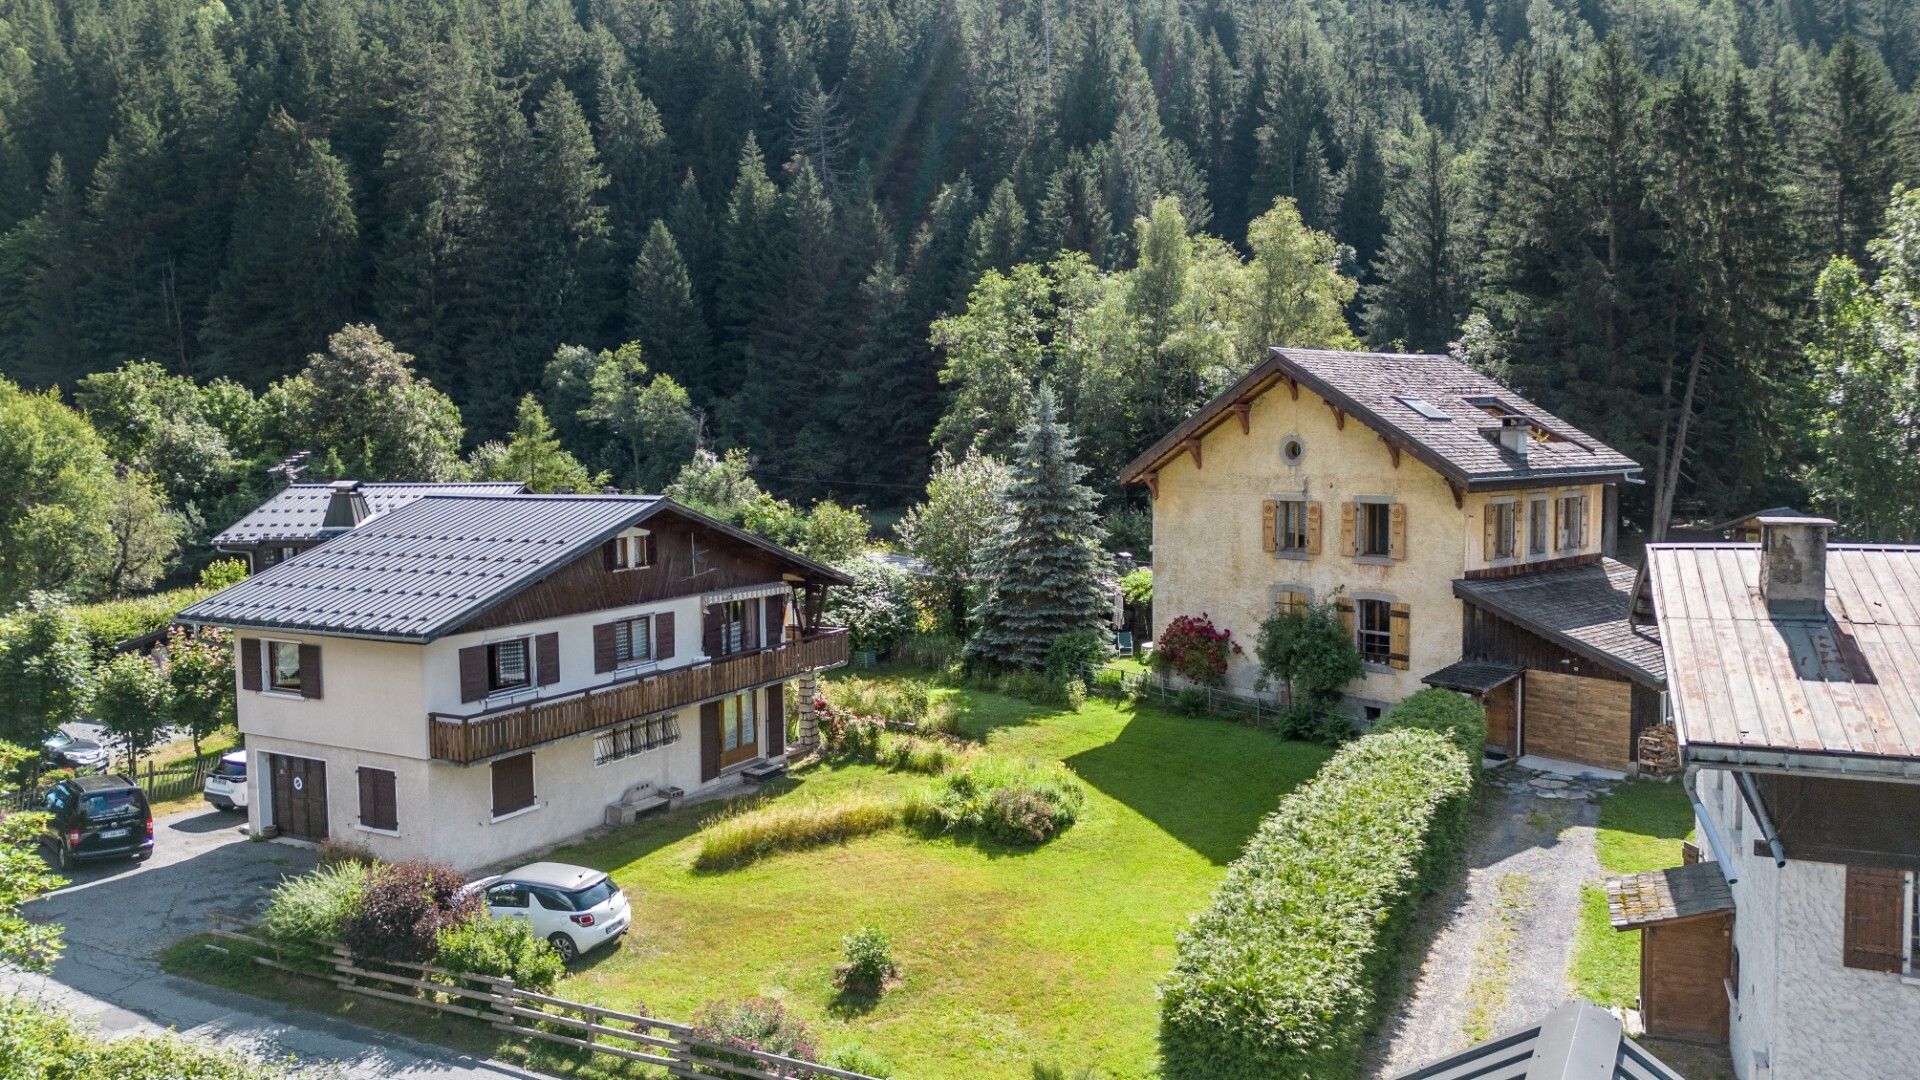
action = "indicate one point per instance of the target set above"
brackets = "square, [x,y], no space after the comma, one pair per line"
[162,784]
[677,1048]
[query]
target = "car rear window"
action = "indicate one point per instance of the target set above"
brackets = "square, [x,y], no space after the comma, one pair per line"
[230,768]
[102,803]
[597,893]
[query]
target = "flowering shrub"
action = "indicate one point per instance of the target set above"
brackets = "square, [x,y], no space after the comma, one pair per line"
[403,907]
[1194,649]
[753,1027]
[843,734]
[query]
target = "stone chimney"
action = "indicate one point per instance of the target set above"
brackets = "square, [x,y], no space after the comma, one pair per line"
[346,507]
[1793,565]
[1515,434]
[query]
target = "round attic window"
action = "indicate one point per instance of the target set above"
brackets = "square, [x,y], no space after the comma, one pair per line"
[1292,449]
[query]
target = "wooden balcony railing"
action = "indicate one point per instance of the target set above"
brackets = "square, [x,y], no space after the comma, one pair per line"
[506,729]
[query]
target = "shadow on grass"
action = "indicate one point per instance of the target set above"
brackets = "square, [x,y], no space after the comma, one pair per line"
[1207,783]
[853,1002]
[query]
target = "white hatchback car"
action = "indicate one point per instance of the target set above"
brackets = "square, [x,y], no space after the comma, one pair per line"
[576,908]
[226,786]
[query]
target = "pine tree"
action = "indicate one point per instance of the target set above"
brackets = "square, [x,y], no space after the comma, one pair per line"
[1042,569]
[748,274]
[533,456]
[1863,143]
[998,238]
[40,271]
[662,314]
[1421,286]
[1073,213]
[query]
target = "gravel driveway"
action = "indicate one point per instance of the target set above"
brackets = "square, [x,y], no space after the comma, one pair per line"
[1500,939]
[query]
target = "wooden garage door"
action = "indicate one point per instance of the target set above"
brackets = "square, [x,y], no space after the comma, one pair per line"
[299,796]
[1684,967]
[1570,718]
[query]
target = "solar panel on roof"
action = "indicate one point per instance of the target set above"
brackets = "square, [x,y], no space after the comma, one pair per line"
[1424,407]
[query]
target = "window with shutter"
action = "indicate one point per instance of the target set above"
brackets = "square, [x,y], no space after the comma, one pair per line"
[1287,519]
[1269,534]
[1374,622]
[512,784]
[509,666]
[379,805]
[1875,919]
[1537,535]
[1399,638]
[1375,523]
[633,641]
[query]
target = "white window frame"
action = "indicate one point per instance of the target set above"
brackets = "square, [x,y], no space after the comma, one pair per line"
[267,684]
[1577,501]
[630,660]
[630,550]
[1361,633]
[744,721]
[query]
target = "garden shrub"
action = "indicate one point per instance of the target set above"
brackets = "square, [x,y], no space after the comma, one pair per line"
[869,953]
[877,609]
[38,1042]
[758,830]
[1315,721]
[403,908]
[842,734]
[1019,802]
[856,1058]
[1193,648]
[1312,654]
[1074,656]
[502,948]
[906,753]
[753,1027]
[1455,715]
[936,652]
[1281,975]
[312,908]
[1190,701]
[901,701]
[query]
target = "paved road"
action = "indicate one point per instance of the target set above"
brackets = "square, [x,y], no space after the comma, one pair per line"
[119,916]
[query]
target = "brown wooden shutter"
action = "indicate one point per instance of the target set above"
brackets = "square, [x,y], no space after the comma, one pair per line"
[603,655]
[1349,528]
[652,544]
[546,659]
[1489,541]
[1397,531]
[1556,544]
[610,554]
[750,625]
[310,683]
[663,636]
[512,784]
[379,808]
[776,619]
[1398,625]
[1872,919]
[473,673]
[776,720]
[1269,540]
[709,741]
[1346,617]
[1313,528]
[710,634]
[1586,522]
[250,664]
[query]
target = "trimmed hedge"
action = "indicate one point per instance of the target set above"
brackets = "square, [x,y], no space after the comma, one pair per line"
[1280,976]
[1457,716]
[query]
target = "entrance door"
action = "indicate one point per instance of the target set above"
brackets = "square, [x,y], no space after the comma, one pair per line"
[1500,704]
[1684,968]
[739,729]
[299,796]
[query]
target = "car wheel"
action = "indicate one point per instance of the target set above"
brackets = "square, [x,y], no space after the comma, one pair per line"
[563,944]
[63,856]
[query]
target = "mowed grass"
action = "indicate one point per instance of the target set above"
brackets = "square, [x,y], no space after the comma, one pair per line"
[1642,825]
[1012,959]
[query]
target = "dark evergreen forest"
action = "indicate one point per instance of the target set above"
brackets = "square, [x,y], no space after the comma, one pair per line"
[1622,205]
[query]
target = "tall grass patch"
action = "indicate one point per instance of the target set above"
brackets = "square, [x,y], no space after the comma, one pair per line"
[756,831]
[1280,976]
[1016,801]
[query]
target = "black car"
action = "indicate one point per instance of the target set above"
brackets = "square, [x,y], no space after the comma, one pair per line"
[98,817]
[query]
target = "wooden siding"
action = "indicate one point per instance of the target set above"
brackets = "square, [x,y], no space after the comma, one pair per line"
[586,584]
[1856,822]
[1486,573]
[1572,718]
[1488,638]
[1683,971]
[489,734]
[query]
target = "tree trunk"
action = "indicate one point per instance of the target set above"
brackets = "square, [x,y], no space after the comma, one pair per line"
[1670,480]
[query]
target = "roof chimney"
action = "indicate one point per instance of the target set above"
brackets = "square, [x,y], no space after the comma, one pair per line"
[1793,565]
[346,507]
[1515,435]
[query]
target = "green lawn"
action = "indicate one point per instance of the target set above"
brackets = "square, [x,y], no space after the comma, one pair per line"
[1012,959]
[1642,825]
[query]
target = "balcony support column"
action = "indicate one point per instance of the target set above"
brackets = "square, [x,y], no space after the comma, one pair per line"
[807,727]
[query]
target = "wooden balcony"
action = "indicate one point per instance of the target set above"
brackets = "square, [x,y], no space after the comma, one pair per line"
[482,735]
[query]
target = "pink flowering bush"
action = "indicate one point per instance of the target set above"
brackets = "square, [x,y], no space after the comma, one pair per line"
[1196,650]
[753,1027]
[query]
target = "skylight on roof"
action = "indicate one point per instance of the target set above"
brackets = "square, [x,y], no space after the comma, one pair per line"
[1424,407]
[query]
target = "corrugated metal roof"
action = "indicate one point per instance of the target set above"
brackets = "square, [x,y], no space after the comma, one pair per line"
[1448,429]
[1745,682]
[1577,1041]
[1584,608]
[296,512]
[419,571]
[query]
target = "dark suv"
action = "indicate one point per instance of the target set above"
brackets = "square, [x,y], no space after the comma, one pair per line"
[98,817]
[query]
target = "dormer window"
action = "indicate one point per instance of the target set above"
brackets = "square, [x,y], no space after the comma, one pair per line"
[631,550]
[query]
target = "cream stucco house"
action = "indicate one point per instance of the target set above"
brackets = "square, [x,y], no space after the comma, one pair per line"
[1466,534]
[1795,695]
[471,677]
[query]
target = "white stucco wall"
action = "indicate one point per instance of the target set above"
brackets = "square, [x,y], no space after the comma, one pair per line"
[372,698]
[1801,1014]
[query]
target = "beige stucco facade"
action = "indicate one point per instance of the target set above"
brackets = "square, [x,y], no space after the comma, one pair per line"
[1209,555]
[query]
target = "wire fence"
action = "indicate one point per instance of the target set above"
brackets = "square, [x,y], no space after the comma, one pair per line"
[1264,712]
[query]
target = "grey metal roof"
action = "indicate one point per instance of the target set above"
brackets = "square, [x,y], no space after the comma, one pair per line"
[1748,686]
[1577,1041]
[1472,677]
[297,512]
[419,571]
[1424,402]
[1584,608]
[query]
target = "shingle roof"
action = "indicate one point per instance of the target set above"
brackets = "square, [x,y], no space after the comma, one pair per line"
[1472,677]
[419,571]
[1657,896]
[297,511]
[1748,685]
[1583,608]
[1577,1041]
[1434,406]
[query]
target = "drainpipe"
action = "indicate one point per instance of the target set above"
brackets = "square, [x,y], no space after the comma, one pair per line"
[1761,817]
[1727,869]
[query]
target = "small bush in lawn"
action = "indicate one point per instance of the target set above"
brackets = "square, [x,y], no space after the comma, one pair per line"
[1193,648]
[757,831]
[869,954]
[1315,721]
[1073,695]
[403,909]
[335,852]
[856,1058]
[1015,801]
[502,948]
[1191,702]
[1075,655]
[930,757]
[845,735]
[753,1027]
[311,909]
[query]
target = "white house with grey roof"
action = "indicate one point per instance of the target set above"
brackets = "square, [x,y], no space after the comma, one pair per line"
[471,677]
[1465,534]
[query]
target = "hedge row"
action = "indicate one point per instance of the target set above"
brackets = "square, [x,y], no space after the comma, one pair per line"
[1280,976]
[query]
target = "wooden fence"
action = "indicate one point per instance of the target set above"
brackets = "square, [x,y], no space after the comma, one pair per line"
[677,1048]
[1252,711]
[167,782]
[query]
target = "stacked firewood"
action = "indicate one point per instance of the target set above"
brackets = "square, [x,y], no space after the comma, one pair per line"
[1659,750]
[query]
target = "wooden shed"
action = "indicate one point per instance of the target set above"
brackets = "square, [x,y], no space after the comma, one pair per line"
[1685,918]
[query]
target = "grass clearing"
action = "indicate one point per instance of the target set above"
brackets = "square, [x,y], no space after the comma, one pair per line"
[1642,825]
[1493,958]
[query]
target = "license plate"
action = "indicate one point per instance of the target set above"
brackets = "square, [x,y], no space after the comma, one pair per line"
[617,927]
[113,834]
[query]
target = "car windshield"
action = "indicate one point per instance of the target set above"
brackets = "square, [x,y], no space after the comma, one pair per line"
[100,803]
[597,893]
[57,740]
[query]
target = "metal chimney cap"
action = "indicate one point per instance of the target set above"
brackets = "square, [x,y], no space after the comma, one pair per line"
[345,487]
[1797,519]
